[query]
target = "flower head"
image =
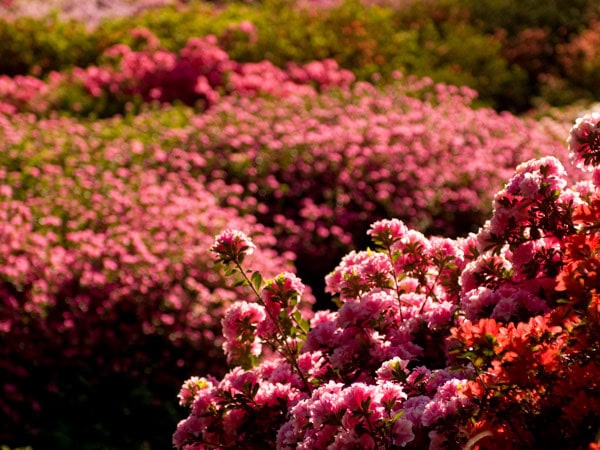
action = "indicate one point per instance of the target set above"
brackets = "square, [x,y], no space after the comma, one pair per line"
[584,141]
[388,231]
[232,246]
[191,389]
[283,291]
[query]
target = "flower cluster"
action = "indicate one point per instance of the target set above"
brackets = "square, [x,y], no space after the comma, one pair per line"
[373,374]
[323,168]
[198,74]
[108,291]
[532,340]
[488,341]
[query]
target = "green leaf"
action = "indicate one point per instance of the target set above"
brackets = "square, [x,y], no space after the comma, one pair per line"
[240,282]
[397,416]
[257,280]
[302,323]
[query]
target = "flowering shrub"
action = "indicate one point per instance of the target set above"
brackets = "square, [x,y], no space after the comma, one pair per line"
[322,168]
[337,382]
[196,75]
[107,290]
[488,341]
[314,157]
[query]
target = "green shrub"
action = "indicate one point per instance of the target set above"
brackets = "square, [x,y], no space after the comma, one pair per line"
[40,45]
[562,16]
[498,48]
[531,34]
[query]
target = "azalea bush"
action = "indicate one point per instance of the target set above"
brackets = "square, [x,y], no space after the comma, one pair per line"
[198,75]
[312,154]
[493,47]
[323,167]
[106,290]
[487,341]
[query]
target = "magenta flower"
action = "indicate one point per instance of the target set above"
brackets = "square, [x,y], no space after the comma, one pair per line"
[584,141]
[232,246]
[191,389]
[448,400]
[239,330]
[283,291]
[402,432]
[388,231]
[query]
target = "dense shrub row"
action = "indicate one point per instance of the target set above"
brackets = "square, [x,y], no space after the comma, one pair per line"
[199,74]
[507,52]
[321,157]
[108,223]
[323,168]
[487,342]
[107,294]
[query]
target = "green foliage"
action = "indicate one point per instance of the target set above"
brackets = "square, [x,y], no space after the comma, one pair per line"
[562,16]
[486,45]
[175,25]
[374,41]
[457,53]
[41,45]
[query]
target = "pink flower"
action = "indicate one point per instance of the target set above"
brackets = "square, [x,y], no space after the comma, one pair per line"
[358,396]
[392,370]
[312,363]
[402,432]
[328,402]
[323,331]
[584,141]
[449,398]
[239,330]
[478,302]
[232,246]
[529,185]
[187,430]
[372,307]
[386,232]
[283,291]
[439,314]
[358,273]
[191,389]
[241,318]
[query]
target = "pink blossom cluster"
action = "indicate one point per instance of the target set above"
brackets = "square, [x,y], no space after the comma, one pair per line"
[199,74]
[372,374]
[106,268]
[319,165]
[520,247]
[379,372]
[322,168]
[26,93]
[584,141]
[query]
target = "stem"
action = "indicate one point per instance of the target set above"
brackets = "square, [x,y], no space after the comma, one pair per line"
[430,292]
[395,275]
[288,353]
[370,427]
